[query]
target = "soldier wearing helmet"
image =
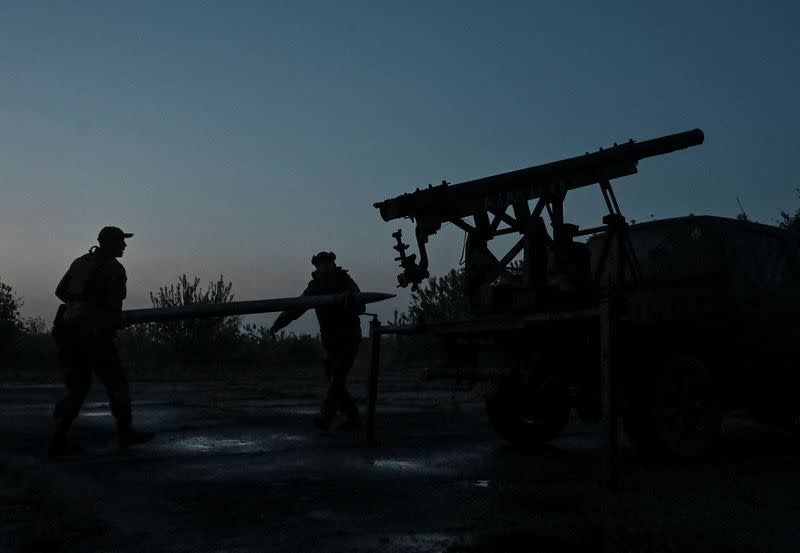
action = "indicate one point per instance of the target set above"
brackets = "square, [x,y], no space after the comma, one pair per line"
[340,332]
[84,330]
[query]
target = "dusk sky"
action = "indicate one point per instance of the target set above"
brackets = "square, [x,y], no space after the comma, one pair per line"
[239,138]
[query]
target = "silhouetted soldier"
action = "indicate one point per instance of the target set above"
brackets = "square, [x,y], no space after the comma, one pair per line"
[340,330]
[84,330]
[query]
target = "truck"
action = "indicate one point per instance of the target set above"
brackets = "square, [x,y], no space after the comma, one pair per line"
[689,317]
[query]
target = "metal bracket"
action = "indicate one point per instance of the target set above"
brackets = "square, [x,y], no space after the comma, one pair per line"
[413,273]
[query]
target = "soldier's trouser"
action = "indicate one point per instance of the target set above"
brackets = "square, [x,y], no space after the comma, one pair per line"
[78,361]
[338,399]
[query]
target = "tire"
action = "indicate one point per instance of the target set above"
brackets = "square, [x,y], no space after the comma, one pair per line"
[674,410]
[528,415]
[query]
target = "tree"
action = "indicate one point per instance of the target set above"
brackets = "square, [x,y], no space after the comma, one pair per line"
[35,325]
[445,298]
[440,299]
[791,221]
[196,339]
[11,324]
[10,304]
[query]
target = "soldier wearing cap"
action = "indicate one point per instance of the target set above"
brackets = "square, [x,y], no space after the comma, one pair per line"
[84,330]
[340,331]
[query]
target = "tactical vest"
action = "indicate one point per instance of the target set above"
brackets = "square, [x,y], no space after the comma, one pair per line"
[336,322]
[84,307]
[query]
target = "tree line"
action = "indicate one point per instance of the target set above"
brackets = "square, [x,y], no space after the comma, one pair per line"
[228,341]
[201,346]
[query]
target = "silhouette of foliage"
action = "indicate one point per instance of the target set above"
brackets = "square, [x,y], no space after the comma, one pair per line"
[791,220]
[11,324]
[284,348]
[10,304]
[35,326]
[444,298]
[194,340]
[440,299]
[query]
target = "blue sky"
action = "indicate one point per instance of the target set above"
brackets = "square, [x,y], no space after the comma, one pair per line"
[239,138]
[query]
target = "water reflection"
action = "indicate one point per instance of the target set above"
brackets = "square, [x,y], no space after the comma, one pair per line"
[206,443]
[396,464]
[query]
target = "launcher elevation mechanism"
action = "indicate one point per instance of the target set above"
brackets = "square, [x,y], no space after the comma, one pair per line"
[504,199]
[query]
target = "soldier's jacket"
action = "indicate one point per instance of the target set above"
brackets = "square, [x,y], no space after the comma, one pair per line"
[339,325]
[92,289]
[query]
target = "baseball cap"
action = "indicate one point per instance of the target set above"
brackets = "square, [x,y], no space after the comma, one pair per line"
[112,233]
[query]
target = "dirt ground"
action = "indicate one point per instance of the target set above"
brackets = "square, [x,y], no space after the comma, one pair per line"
[238,468]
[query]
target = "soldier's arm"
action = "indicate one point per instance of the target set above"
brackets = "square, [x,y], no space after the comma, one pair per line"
[115,292]
[290,315]
[283,320]
[117,287]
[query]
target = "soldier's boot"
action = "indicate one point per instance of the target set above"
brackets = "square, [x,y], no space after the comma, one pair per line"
[351,424]
[127,436]
[348,409]
[327,411]
[353,420]
[321,422]
[59,445]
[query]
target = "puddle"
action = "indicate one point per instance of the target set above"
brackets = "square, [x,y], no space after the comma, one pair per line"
[394,464]
[246,444]
[205,443]
[289,437]
[437,462]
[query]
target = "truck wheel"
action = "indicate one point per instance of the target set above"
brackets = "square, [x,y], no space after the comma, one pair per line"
[528,415]
[674,410]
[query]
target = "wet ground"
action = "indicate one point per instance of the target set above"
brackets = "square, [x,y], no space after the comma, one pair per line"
[240,468]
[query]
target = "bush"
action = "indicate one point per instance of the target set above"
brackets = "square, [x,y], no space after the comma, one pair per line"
[284,349]
[11,325]
[440,299]
[208,346]
[791,220]
[195,340]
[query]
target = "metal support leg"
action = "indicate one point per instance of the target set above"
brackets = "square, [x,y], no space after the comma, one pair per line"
[608,475]
[372,383]
[608,363]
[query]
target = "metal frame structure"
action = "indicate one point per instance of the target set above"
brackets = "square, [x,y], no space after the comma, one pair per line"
[488,200]
[504,199]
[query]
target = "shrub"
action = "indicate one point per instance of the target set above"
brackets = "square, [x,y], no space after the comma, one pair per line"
[791,220]
[11,325]
[195,340]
